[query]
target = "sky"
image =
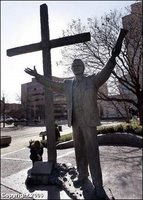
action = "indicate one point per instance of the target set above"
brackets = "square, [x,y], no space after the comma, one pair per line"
[20,25]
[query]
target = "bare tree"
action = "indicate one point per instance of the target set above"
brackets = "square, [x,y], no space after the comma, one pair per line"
[127,77]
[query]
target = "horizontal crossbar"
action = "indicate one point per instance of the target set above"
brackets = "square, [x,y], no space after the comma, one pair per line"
[69,40]
[79,38]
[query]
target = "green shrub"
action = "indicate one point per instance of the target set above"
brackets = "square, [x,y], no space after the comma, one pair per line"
[119,128]
[99,132]
[65,138]
[110,129]
[125,127]
[134,128]
[129,129]
[106,130]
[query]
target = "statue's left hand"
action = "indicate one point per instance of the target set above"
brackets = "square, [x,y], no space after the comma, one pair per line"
[117,48]
[116,51]
[31,72]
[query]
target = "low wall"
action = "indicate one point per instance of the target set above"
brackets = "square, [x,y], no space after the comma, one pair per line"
[114,139]
[5,140]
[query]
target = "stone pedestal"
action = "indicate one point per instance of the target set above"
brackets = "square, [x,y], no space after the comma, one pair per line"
[42,168]
[62,175]
[40,173]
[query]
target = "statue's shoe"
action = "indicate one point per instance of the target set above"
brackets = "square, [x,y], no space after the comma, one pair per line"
[79,182]
[101,194]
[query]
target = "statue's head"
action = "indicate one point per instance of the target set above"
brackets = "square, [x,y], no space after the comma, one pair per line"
[78,67]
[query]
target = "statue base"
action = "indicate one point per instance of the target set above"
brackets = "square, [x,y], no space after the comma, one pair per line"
[42,168]
[62,176]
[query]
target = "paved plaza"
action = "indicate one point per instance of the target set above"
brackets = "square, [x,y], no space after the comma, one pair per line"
[121,167]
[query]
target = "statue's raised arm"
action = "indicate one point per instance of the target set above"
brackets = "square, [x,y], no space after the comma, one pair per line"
[117,48]
[50,84]
[105,73]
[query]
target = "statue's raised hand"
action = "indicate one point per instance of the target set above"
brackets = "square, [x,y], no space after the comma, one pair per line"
[32,72]
[117,48]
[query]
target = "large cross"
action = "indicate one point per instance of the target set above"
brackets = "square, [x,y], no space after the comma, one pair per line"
[45,45]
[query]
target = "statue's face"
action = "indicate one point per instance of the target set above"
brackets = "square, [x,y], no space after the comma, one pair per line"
[78,67]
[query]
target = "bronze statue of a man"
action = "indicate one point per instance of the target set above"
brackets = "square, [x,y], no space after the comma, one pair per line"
[81,93]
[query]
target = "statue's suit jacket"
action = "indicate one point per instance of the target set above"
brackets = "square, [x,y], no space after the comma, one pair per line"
[89,89]
[88,101]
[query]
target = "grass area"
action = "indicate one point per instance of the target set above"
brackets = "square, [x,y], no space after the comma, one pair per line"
[133,127]
[63,138]
[66,137]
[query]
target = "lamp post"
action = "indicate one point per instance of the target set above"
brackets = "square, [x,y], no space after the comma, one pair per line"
[3,111]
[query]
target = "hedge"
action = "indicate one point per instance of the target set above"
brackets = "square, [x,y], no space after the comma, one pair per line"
[129,128]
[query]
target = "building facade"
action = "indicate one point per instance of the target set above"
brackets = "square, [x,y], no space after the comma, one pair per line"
[33,100]
[134,24]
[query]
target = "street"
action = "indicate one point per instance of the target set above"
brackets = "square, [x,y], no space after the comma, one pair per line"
[20,137]
[23,134]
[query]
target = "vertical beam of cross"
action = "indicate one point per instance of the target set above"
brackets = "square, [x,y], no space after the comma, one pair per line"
[49,110]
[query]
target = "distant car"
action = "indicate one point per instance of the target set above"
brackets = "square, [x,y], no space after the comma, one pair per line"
[9,120]
[23,120]
[35,121]
[16,120]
